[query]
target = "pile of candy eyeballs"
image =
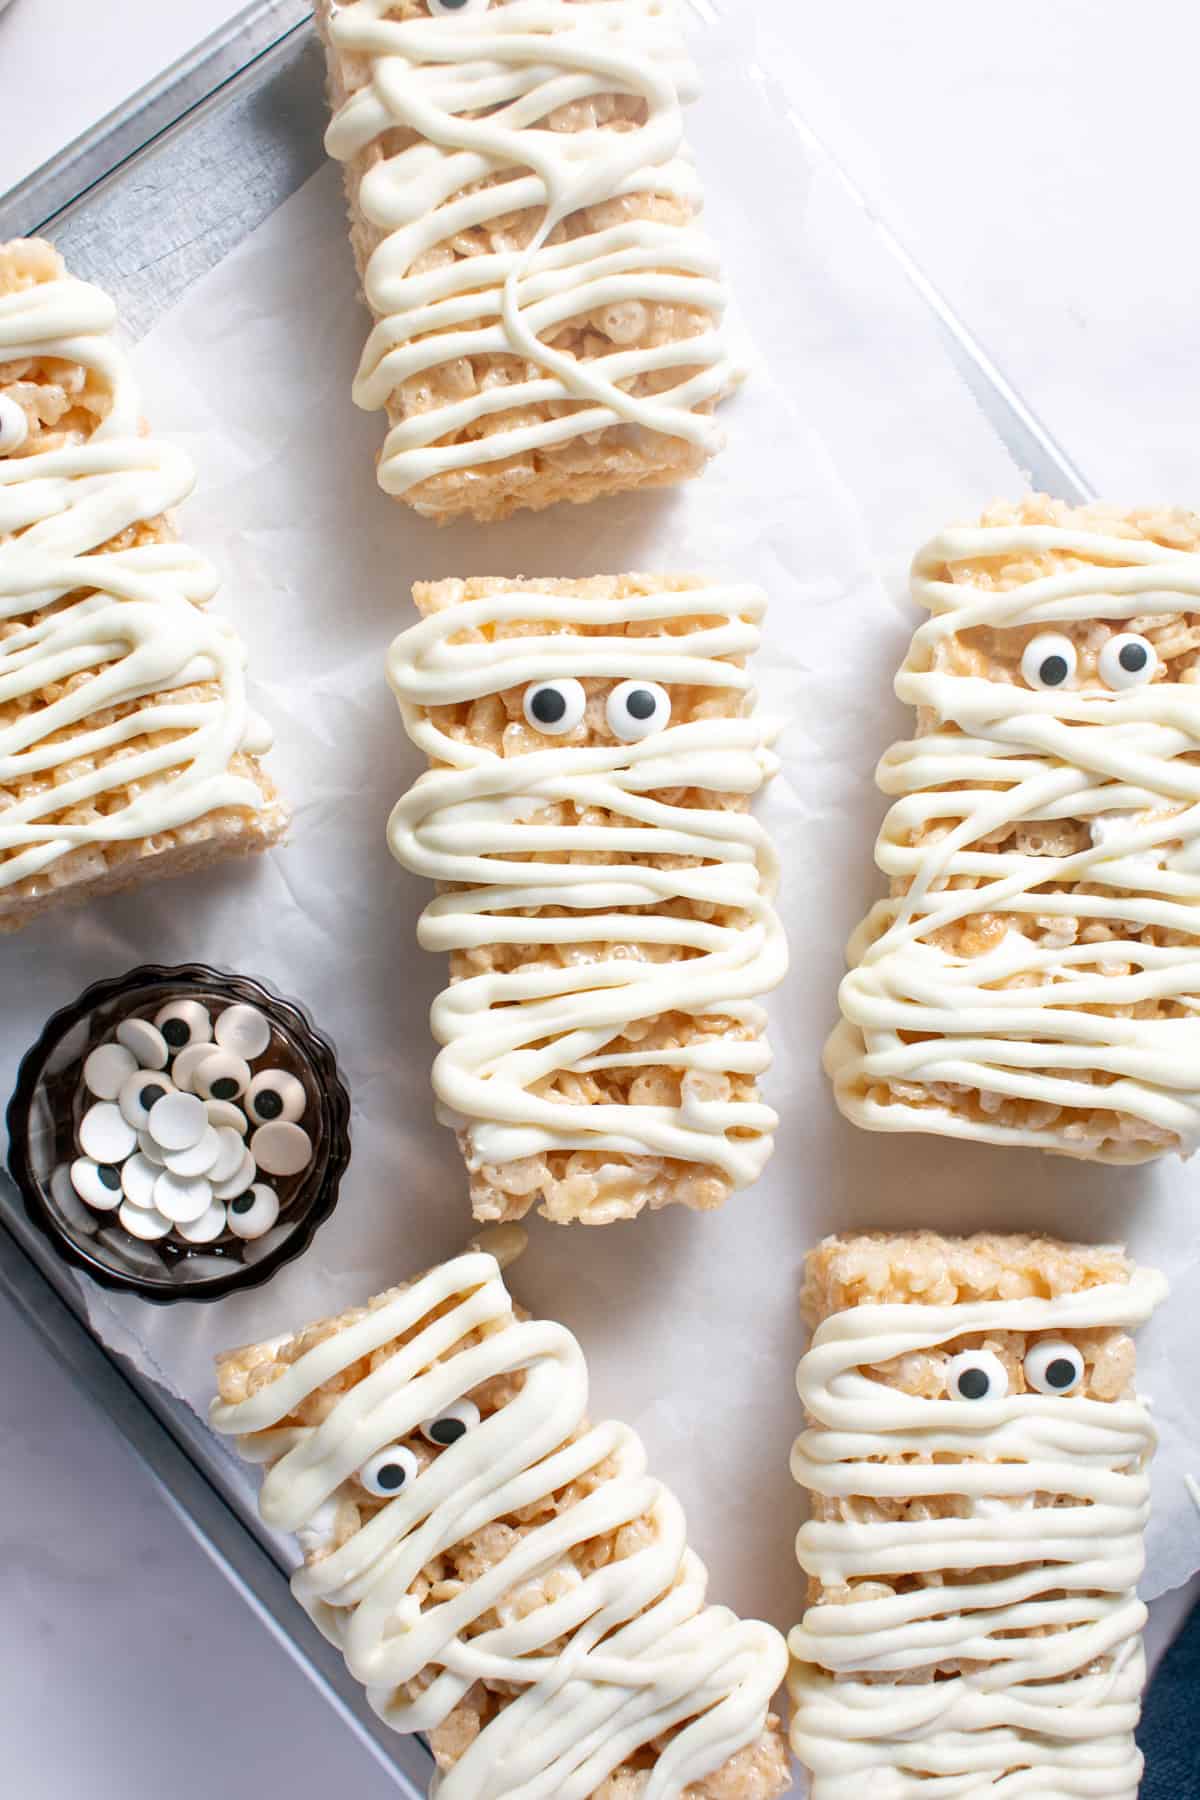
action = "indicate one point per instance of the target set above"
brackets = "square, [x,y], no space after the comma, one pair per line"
[163,1139]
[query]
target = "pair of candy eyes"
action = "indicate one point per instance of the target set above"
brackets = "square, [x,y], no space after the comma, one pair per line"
[1126,661]
[391,1469]
[634,709]
[1051,1367]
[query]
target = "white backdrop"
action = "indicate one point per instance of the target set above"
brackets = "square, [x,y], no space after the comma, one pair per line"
[1030,157]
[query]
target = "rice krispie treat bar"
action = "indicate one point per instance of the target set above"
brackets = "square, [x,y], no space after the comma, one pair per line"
[1034,976]
[605,894]
[500,1573]
[977,1461]
[126,745]
[524,216]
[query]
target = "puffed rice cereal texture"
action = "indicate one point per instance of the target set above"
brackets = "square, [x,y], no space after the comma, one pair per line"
[63,404]
[758,1772]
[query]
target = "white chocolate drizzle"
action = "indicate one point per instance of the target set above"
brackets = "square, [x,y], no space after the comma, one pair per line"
[129,620]
[1022,1020]
[643,1653]
[465,823]
[469,167]
[1041,1599]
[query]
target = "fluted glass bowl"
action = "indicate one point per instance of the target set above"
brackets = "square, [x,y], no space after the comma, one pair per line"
[48,1101]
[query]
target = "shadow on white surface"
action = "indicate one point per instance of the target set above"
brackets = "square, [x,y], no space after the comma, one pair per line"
[131,1669]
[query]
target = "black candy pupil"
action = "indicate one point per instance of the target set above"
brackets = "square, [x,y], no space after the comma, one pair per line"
[150,1093]
[1060,1373]
[176,1032]
[110,1176]
[1132,658]
[1054,671]
[640,704]
[447,1431]
[548,706]
[973,1384]
[392,1476]
[242,1204]
[267,1103]
[225,1088]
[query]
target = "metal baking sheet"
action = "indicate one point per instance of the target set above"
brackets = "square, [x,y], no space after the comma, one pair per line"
[147,202]
[144,204]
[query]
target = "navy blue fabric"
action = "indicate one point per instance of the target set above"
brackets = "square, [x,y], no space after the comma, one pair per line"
[1169,1733]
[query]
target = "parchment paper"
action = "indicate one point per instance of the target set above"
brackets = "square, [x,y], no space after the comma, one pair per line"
[690,1323]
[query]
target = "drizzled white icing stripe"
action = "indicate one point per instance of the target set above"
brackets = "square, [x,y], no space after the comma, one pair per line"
[642,1652]
[1039,1714]
[522,61]
[457,821]
[1020,1021]
[133,627]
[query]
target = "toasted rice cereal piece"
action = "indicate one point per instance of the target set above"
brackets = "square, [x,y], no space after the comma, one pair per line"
[924,1268]
[922,1513]
[1068,926]
[451,1347]
[180,796]
[442,354]
[678,1062]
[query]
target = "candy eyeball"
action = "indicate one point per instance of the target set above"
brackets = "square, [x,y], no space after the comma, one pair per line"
[138,1178]
[142,1090]
[223,1114]
[145,1042]
[456,9]
[275,1094]
[186,1062]
[636,709]
[184,1023]
[14,425]
[976,1375]
[97,1183]
[1127,661]
[1049,661]
[389,1470]
[1054,1367]
[107,1069]
[555,707]
[451,1424]
[244,1030]
[143,1222]
[178,1121]
[252,1214]
[281,1148]
[220,1076]
[105,1135]
[206,1229]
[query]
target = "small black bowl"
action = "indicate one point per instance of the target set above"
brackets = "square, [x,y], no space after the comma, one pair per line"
[44,1111]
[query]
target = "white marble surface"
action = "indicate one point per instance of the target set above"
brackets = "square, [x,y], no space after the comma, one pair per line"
[1033,157]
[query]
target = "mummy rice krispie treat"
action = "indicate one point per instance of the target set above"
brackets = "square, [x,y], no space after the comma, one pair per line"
[605,894]
[126,745]
[500,1573]
[524,217]
[1034,976]
[977,1461]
